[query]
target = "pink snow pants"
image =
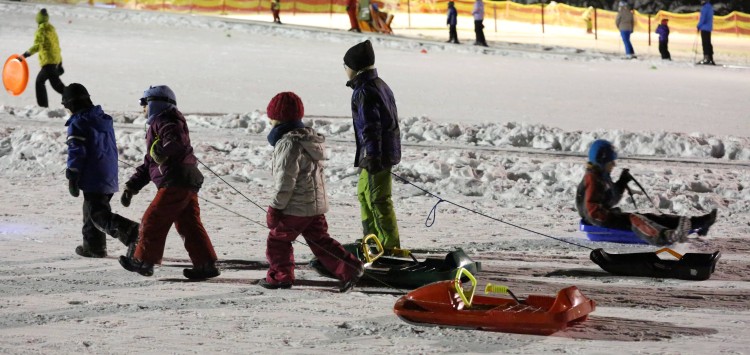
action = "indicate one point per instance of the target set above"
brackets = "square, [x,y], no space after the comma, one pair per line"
[280,253]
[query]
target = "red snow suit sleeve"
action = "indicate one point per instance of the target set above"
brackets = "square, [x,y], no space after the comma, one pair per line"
[594,199]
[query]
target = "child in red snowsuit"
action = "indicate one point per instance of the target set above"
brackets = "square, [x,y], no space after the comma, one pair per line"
[172,167]
[299,199]
[597,196]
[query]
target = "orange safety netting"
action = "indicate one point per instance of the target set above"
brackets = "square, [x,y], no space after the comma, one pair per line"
[554,14]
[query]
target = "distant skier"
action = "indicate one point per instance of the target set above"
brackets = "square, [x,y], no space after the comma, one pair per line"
[50,59]
[299,199]
[625,22]
[275,10]
[705,26]
[663,31]
[351,10]
[378,139]
[171,165]
[586,17]
[452,21]
[92,168]
[597,196]
[478,13]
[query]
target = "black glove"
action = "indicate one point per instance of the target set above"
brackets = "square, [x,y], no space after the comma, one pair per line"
[373,165]
[625,177]
[26,54]
[127,195]
[60,70]
[72,177]
[347,7]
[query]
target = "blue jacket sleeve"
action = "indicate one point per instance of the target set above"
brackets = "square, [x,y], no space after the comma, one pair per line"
[76,147]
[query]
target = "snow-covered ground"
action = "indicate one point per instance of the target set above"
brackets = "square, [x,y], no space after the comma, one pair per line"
[502,132]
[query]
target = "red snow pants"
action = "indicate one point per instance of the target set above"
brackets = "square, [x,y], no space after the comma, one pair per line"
[178,205]
[280,253]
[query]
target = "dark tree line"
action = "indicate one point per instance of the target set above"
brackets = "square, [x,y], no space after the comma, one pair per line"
[721,7]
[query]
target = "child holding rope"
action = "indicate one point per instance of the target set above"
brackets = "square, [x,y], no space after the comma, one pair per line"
[299,199]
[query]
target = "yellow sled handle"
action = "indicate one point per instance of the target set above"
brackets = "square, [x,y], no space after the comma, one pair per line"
[369,257]
[460,289]
[403,253]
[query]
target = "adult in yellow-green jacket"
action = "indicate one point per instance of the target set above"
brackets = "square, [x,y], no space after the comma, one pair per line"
[46,43]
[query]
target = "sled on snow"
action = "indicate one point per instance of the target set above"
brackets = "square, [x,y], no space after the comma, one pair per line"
[400,268]
[447,303]
[603,234]
[691,266]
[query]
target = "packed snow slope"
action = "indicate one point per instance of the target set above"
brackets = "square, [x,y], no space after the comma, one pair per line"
[470,150]
[222,65]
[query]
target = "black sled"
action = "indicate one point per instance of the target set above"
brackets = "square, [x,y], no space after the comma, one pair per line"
[393,271]
[691,266]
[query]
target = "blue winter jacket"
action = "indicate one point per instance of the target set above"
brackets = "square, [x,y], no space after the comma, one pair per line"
[92,150]
[706,22]
[663,31]
[375,118]
[452,16]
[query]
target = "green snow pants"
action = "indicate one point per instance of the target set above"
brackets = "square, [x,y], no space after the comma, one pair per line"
[378,216]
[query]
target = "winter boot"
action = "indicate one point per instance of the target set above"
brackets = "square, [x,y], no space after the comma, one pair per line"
[346,286]
[680,233]
[274,285]
[703,223]
[205,271]
[135,265]
[86,252]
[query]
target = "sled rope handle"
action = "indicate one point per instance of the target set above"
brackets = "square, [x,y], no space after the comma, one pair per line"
[490,288]
[460,289]
[369,257]
[440,199]
[674,253]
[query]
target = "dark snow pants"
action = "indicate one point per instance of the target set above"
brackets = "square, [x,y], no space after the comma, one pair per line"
[98,219]
[48,72]
[708,48]
[178,205]
[452,34]
[280,253]
[664,50]
[479,31]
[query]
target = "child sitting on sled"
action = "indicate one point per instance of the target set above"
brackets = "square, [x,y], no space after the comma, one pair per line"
[299,199]
[597,196]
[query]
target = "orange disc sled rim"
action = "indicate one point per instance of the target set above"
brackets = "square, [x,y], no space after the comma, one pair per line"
[15,75]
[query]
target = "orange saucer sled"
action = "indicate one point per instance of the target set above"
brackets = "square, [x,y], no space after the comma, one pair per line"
[446,303]
[15,75]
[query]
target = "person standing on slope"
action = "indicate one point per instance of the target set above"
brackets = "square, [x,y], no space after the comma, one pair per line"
[625,22]
[705,26]
[378,143]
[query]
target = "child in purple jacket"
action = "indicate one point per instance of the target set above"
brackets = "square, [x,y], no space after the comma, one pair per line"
[663,31]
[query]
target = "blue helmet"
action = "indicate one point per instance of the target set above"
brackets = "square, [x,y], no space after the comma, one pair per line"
[159,98]
[602,152]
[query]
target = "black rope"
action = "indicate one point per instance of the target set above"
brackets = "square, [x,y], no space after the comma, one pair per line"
[434,208]
[632,198]
[230,185]
[646,193]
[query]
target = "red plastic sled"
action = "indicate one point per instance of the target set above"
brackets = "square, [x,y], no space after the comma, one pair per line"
[15,75]
[445,303]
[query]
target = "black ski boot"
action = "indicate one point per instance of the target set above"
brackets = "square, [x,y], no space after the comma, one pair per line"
[703,223]
[135,265]
[205,271]
[86,252]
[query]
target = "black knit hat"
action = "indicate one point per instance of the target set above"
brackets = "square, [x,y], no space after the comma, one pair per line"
[360,56]
[74,92]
